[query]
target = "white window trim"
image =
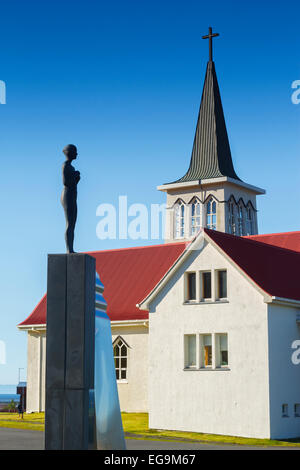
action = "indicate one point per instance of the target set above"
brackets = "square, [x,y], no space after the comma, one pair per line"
[200,357]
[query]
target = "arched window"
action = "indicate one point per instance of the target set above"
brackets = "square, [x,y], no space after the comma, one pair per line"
[240,227]
[231,219]
[211,214]
[179,220]
[249,221]
[120,357]
[195,217]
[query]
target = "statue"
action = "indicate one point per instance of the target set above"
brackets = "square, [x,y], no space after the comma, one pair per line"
[69,195]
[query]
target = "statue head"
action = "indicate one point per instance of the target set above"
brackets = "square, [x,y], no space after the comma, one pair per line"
[70,152]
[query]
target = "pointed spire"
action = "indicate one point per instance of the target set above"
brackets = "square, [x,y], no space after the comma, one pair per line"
[211,155]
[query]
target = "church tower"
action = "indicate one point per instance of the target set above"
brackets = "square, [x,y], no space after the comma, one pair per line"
[210,194]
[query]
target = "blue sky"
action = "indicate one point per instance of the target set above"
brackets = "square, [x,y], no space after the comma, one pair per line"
[123,80]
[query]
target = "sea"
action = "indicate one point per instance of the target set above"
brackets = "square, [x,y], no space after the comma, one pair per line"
[8,393]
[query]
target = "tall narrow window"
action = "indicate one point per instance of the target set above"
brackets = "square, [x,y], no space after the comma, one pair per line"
[211,215]
[190,360]
[206,285]
[195,217]
[240,220]
[179,220]
[191,286]
[249,221]
[120,356]
[222,284]
[207,350]
[223,350]
[285,410]
[231,212]
[297,410]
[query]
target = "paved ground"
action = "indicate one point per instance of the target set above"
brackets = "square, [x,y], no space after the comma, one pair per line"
[19,439]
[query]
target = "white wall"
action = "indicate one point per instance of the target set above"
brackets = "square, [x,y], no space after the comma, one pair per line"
[284,375]
[133,393]
[234,402]
[36,362]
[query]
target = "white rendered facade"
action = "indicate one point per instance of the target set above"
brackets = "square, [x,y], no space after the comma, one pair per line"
[243,399]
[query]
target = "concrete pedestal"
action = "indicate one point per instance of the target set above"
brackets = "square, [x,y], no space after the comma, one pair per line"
[70,352]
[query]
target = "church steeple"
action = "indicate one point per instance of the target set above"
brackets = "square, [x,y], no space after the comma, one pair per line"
[210,194]
[211,155]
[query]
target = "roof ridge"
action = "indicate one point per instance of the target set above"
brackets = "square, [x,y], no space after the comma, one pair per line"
[249,240]
[271,234]
[139,247]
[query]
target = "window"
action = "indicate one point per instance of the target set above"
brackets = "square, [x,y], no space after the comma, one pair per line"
[206,285]
[207,350]
[297,410]
[195,217]
[240,220]
[223,345]
[222,284]
[249,221]
[179,220]
[191,286]
[120,356]
[285,411]
[211,214]
[190,361]
[231,211]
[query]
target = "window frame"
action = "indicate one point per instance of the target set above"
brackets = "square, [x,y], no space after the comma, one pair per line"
[187,297]
[202,298]
[179,220]
[120,357]
[210,214]
[220,298]
[285,414]
[195,219]
[231,216]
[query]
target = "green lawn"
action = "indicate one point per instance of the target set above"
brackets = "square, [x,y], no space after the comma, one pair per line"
[136,425]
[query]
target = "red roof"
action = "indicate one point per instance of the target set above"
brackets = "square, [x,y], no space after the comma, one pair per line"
[128,275]
[288,240]
[276,270]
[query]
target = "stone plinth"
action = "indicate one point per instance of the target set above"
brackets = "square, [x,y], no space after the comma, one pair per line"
[70,352]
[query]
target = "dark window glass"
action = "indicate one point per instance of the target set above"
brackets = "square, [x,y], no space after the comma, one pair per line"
[206,285]
[222,281]
[191,286]
[224,358]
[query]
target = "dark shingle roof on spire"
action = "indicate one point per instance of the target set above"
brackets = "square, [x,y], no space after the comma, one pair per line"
[211,155]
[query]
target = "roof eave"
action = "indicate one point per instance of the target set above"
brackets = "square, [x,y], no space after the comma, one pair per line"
[210,181]
[283,301]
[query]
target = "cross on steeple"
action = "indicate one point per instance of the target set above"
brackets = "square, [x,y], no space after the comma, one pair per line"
[210,36]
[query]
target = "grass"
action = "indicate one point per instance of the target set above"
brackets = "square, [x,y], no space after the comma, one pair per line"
[136,426]
[33,421]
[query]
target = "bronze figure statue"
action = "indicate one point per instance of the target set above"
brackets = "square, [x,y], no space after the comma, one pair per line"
[69,195]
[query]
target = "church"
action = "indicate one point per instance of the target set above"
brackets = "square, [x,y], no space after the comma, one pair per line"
[203,325]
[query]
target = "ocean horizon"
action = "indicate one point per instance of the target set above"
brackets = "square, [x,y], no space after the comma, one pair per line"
[8,397]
